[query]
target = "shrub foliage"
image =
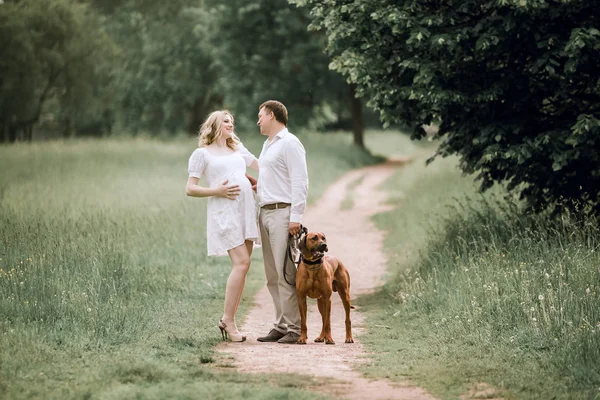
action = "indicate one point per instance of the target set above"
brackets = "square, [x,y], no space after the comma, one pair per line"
[512,82]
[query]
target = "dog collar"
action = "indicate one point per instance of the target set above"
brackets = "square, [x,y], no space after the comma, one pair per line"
[318,261]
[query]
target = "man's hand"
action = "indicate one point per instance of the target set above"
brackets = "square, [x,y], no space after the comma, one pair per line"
[253,181]
[294,228]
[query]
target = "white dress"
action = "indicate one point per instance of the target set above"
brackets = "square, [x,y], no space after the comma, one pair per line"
[230,222]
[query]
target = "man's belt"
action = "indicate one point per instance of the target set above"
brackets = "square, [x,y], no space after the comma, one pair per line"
[275,206]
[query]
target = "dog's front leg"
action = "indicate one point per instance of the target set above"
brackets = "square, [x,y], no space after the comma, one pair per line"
[321,305]
[327,327]
[302,307]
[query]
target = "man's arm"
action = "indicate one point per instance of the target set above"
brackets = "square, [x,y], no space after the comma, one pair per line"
[295,157]
[253,181]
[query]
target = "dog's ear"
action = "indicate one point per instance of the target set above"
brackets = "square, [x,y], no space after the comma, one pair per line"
[302,243]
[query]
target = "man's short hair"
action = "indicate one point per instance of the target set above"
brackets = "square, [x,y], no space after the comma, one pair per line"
[278,109]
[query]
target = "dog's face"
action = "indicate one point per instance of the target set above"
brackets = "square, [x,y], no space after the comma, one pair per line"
[313,245]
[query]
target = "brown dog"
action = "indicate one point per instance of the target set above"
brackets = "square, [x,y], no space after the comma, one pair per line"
[317,277]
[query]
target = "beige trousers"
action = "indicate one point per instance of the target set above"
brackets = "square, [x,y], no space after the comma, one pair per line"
[274,231]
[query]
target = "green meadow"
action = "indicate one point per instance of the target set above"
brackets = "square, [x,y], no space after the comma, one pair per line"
[106,290]
[105,287]
[479,292]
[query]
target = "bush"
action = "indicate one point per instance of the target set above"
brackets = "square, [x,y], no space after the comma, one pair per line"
[512,82]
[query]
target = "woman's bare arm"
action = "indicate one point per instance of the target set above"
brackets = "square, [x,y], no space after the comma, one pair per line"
[192,189]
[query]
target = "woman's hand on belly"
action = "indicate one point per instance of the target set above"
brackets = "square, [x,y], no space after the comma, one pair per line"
[228,191]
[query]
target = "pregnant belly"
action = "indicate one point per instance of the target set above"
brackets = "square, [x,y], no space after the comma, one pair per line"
[240,180]
[236,178]
[244,183]
[246,193]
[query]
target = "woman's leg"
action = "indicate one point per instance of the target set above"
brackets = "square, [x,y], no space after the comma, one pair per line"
[240,263]
[249,246]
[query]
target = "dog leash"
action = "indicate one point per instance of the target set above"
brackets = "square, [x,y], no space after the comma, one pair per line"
[293,241]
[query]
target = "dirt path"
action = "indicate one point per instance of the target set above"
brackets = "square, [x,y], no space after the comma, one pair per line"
[352,236]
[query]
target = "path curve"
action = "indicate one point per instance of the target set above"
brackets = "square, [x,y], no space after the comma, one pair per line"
[352,236]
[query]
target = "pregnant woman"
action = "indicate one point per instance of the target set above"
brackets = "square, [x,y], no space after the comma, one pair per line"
[232,227]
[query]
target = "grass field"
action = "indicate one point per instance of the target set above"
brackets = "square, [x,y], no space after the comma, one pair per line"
[480,293]
[105,287]
[106,291]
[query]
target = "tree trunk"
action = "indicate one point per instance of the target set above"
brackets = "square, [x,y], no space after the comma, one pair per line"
[12,133]
[28,132]
[200,110]
[358,122]
[195,118]
[67,128]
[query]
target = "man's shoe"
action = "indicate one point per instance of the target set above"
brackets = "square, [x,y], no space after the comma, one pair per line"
[273,336]
[289,338]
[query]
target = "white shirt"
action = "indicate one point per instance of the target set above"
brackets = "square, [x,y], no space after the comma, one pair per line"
[282,176]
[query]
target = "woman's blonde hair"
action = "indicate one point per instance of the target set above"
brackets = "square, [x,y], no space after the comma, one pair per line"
[210,131]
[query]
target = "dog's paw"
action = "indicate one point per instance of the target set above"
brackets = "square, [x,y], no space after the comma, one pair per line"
[319,340]
[301,341]
[350,340]
[329,341]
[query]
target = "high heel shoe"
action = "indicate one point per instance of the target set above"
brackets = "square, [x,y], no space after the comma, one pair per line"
[234,337]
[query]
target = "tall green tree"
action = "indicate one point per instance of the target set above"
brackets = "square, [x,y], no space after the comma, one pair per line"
[166,80]
[48,57]
[264,51]
[514,83]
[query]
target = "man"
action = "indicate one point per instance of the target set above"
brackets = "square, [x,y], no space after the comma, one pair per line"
[282,190]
